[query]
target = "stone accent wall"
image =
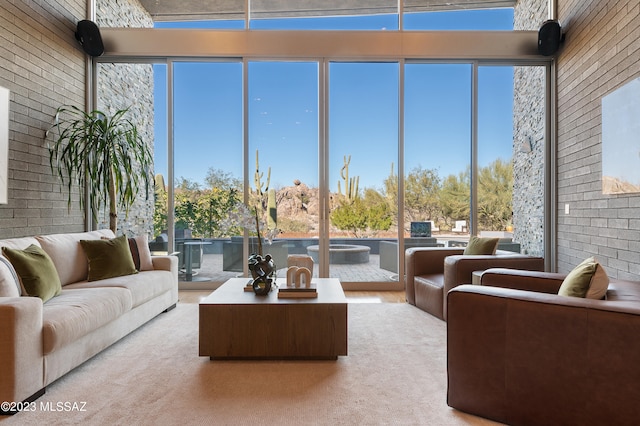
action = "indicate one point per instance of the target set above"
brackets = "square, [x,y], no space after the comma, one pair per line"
[130,86]
[530,14]
[528,167]
[600,54]
[122,85]
[44,68]
[122,14]
[528,128]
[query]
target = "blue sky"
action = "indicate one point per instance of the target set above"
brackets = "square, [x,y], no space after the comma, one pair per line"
[363,105]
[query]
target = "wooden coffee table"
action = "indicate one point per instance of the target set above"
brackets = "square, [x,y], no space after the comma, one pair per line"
[235,324]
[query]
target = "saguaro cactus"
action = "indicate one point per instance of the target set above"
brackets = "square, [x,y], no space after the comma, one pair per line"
[258,178]
[272,210]
[350,184]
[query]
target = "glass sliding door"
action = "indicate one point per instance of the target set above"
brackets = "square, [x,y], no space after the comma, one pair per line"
[283,158]
[495,152]
[511,157]
[362,164]
[437,154]
[160,160]
[207,146]
[284,154]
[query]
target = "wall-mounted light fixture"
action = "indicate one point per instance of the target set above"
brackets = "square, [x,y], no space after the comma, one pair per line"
[526,146]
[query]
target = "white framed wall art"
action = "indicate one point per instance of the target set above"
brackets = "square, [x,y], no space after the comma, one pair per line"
[621,140]
[4,144]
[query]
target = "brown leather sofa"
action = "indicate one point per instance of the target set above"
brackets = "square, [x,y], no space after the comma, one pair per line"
[522,355]
[432,271]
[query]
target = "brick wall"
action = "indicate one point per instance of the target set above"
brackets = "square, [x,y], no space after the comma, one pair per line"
[42,66]
[601,53]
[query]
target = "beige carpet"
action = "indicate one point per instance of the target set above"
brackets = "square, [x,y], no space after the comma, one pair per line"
[395,373]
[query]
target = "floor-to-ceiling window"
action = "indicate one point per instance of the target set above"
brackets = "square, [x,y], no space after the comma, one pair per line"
[375,121]
[207,165]
[363,152]
[495,152]
[283,138]
[437,180]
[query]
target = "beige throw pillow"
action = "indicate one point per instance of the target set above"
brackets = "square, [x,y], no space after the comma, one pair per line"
[67,254]
[140,253]
[587,280]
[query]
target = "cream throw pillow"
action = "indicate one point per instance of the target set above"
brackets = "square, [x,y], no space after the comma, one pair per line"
[67,254]
[140,252]
[9,281]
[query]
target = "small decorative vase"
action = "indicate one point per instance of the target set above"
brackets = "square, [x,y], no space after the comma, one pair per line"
[263,271]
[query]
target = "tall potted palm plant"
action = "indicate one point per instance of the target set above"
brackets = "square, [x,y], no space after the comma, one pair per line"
[105,152]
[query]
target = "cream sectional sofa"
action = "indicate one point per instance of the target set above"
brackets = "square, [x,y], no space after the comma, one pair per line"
[40,342]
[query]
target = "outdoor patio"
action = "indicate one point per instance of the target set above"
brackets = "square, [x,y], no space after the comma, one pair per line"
[212,267]
[211,271]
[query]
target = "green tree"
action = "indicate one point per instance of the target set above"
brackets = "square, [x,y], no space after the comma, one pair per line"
[422,195]
[200,210]
[455,198]
[495,195]
[390,185]
[187,185]
[379,215]
[185,207]
[217,178]
[363,215]
[350,216]
[160,205]
[210,210]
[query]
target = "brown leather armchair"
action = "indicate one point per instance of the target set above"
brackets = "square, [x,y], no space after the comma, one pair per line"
[432,271]
[520,354]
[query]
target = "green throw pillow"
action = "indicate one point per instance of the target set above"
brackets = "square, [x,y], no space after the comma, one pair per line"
[479,245]
[587,280]
[36,271]
[108,258]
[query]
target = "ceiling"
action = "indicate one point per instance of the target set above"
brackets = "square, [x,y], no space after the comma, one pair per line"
[189,10]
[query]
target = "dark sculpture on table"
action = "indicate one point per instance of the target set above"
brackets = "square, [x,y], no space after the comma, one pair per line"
[263,271]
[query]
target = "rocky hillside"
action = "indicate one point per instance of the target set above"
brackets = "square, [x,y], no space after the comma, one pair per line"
[612,185]
[299,212]
[298,208]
